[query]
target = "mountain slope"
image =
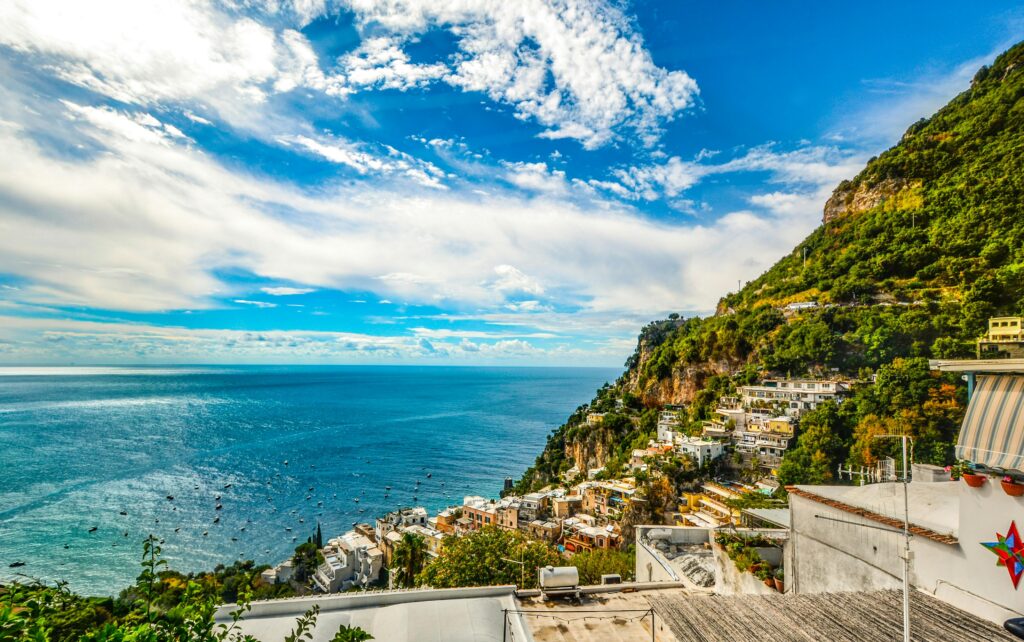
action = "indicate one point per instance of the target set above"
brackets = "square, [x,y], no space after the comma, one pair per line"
[913,256]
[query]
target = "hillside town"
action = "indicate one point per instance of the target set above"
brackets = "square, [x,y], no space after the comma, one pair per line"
[743,443]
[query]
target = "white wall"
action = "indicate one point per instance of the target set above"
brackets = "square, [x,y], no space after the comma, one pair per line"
[832,556]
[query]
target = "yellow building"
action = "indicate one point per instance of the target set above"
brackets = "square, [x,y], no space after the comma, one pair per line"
[1005,336]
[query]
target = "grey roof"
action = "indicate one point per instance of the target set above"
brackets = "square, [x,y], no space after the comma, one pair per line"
[778,516]
[837,617]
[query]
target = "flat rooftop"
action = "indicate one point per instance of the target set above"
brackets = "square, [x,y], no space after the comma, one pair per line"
[837,617]
[444,615]
[600,617]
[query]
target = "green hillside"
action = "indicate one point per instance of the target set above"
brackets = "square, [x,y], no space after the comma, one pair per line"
[914,255]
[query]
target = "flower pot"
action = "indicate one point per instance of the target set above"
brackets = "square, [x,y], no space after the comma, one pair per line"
[769,582]
[779,585]
[1013,489]
[974,481]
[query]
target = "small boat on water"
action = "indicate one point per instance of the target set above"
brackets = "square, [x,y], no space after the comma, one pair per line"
[218,506]
[124,512]
[429,475]
[355,499]
[94,529]
[288,528]
[170,498]
[216,520]
[227,486]
[16,564]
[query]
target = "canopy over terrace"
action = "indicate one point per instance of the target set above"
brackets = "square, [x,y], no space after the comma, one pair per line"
[993,430]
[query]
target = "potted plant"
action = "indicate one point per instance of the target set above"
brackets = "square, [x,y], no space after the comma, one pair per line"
[765,575]
[962,470]
[1012,487]
[780,575]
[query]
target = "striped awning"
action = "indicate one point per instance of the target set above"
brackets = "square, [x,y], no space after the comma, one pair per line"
[993,429]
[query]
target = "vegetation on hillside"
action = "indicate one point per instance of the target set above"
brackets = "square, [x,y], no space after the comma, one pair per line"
[917,252]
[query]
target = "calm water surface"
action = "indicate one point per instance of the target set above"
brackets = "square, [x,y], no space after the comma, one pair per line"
[79,447]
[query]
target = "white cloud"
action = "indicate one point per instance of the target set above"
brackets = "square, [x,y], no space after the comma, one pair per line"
[536,177]
[807,165]
[286,291]
[356,156]
[435,333]
[511,280]
[147,52]
[380,63]
[577,67]
[256,304]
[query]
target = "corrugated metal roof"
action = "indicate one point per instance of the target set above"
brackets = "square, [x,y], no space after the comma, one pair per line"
[778,516]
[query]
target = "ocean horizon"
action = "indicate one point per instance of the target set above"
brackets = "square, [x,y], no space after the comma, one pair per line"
[283,447]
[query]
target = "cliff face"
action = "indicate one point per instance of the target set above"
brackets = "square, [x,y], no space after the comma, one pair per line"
[680,387]
[851,199]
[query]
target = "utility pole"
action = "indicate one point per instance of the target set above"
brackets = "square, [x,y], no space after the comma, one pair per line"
[906,555]
[906,546]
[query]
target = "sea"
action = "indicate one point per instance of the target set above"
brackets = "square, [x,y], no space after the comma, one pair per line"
[229,463]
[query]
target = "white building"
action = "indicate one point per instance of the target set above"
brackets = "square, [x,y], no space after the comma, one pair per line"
[280,574]
[794,396]
[398,519]
[701,450]
[349,560]
[668,422]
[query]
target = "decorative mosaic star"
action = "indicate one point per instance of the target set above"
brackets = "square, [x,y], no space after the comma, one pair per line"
[1010,550]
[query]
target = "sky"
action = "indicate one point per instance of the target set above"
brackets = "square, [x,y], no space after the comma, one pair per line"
[471,182]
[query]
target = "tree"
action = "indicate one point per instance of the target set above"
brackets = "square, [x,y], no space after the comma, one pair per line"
[306,559]
[593,564]
[409,559]
[488,557]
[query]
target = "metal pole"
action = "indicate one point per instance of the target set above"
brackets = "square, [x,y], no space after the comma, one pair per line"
[652,625]
[504,625]
[906,548]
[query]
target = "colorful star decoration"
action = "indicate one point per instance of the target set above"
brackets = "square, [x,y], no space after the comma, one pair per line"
[1010,550]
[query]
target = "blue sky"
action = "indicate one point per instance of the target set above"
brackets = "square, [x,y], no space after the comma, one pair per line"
[405,181]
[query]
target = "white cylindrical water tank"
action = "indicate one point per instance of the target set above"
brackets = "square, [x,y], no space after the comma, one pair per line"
[552,577]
